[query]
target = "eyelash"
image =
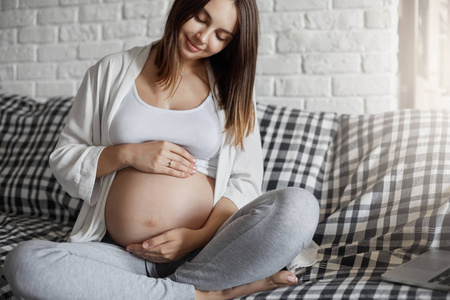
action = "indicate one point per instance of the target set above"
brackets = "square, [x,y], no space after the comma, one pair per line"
[197,18]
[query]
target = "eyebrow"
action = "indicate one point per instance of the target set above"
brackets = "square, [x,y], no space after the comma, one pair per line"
[209,17]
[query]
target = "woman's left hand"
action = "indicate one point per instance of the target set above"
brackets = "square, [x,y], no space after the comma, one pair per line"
[168,246]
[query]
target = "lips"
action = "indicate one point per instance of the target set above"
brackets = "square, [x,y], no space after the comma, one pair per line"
[191,46]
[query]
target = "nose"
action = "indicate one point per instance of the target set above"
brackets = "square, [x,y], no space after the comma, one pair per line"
[202,36]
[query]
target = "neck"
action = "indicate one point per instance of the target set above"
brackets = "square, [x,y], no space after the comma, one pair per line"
[190,66]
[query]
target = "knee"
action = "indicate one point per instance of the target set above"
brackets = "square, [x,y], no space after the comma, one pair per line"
[297,201]
[299,209]
[20,268]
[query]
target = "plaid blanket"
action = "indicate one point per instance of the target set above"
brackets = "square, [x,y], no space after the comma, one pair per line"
[382,181]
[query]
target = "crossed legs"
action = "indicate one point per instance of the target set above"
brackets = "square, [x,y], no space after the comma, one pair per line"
[252,245]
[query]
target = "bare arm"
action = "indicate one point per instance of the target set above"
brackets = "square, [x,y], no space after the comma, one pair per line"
[221,212]
[111,159]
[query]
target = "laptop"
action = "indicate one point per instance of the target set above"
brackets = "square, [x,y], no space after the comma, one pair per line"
[430,270]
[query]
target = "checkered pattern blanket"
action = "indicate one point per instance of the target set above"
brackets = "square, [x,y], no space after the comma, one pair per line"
[382,181]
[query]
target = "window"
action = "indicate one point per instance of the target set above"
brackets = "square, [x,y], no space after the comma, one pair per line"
[424,54]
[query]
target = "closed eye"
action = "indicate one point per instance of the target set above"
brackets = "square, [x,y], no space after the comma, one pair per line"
[208,17]
[197,18]
[219,38]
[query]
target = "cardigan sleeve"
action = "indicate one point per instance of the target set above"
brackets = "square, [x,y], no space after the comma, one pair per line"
[245,180]
[74,159]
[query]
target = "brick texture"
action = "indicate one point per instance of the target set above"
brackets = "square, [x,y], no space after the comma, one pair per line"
[318,55]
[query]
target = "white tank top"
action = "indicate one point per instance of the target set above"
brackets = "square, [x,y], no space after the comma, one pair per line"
[197,130]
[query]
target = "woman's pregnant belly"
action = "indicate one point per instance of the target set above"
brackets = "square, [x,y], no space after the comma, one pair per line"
[142,205]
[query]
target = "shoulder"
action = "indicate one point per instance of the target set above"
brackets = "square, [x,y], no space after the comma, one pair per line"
[118,61]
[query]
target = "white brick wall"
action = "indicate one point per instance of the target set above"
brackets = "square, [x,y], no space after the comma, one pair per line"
[318,55]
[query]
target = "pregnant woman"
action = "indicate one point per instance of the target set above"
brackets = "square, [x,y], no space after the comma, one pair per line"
[163,147]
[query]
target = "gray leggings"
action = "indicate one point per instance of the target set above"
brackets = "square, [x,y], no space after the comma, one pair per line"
[254,243]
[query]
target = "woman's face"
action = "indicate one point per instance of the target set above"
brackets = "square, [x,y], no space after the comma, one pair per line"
[209,31]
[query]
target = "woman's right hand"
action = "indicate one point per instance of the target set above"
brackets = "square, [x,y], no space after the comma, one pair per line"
[161,157]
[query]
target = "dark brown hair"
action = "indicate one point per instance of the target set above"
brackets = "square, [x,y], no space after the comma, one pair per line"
[234,67]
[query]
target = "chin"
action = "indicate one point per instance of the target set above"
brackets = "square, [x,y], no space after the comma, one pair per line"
[186,55]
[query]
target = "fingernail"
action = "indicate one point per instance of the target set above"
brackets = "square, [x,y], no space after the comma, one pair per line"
[194,160]
[291,279]
[145,245]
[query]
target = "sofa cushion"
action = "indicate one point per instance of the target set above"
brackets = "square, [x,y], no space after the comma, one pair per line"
[29,131]
[295,146]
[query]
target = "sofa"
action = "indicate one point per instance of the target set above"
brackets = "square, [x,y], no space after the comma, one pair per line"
[382,182]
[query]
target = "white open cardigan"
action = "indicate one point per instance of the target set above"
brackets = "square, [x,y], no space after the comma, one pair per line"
[86,134]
